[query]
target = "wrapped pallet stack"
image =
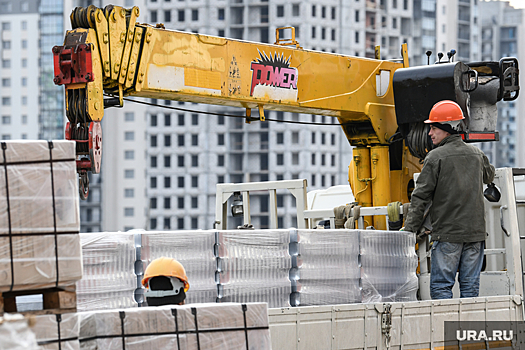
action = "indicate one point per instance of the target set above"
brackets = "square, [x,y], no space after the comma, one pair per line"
[194,250]
[189,327]
[388,263]
[325,267]
[39,217]
[109,279]
[56,332]
[254,266]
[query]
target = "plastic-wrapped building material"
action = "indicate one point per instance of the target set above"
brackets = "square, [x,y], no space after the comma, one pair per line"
[388,266]
[57,332]
[187,327]
[109,279]
[326,267]
[15,333]
[194,250]
[39,218]
[254,265]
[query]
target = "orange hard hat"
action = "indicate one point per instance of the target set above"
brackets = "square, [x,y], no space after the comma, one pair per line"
[445,111]
[168,267]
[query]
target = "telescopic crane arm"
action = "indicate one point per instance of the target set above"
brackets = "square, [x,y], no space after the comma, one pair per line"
[108,53]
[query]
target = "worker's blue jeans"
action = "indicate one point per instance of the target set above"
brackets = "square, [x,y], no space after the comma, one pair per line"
[447,259]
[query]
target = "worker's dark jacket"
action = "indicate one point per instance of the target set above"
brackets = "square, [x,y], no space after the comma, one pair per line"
[452,178]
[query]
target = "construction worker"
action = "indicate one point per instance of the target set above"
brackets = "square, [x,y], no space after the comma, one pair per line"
[452,178]
[166,282]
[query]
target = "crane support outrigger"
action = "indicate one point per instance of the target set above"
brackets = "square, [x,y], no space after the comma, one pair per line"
[108,53]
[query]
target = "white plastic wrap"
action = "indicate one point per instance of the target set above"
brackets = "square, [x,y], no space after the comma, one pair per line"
[187,327]
[15,333]
[109,279]
[194,250]
[254,265]
[388,266]
[29,218]
[326,267]
[54,332]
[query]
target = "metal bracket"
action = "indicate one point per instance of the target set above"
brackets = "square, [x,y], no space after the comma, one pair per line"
[72,64]
[386,323]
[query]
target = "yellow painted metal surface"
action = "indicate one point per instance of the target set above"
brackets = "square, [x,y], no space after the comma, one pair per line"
[166,64]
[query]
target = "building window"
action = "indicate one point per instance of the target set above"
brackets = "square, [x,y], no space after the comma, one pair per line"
[323,12]
[220,139]
[180,182]
[333,160]
[167,161]
[280,159]
[295,10]
[333,180]
[129,192]
[313,33]
[24,44]
[194,15]
[194,181]
[295,137]
[129,116]
[6,119]
[313,179]
[6,44]
[180,161]
[153,182]
[333,34]
[220,33]
[153,161]
[322,181]
[194,140]
[356,40]
[194,119]
[280,138]
[180,202]
[181,120]
[153,120]
[313,158]
[180,140]
[153,203]
[167,181]
[24,119]
[394,23]
[180,15]
[129,154]
[153,141]
[153,16]
[24,25]
[24,100]
[194,223]
[194,160]
[295,158]
[6,63]
[6,137]
[313,137]
[313,10]
[167,202]
[323,33]
[167,223]
[221,14]
[129,173]
[357,15]
[280,11]
[6,25]
[6,82]
[220,120]
[394,4]
[129,136]
[25,6]
[323,159]
[194,202]
[180,223]
[167,16]
[220,160]
[220,179]
[323,138]
[333,12]
[6,101]
[153,223]
[333,139]
[128,212]
[167,140]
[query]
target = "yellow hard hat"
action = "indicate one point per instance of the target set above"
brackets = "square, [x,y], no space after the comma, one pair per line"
[168,267]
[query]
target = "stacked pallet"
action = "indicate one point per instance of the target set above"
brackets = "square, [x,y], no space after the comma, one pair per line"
[325,267]
[109,279]
[254,266]
[188,327]
[194,250]
[388,263]
[40,250]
